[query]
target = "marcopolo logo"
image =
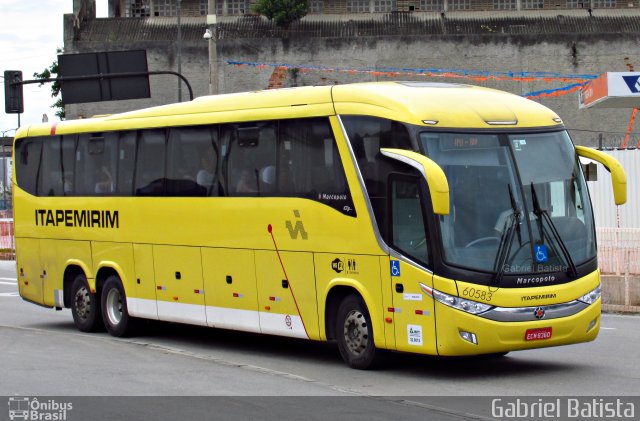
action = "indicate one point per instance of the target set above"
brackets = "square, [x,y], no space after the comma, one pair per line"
[31,409]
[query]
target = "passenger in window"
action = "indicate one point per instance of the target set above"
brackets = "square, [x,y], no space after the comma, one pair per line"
[67,184]
[246,183]
[207,168]
[104,180]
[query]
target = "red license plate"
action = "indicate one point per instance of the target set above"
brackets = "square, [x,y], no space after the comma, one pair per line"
[538,334]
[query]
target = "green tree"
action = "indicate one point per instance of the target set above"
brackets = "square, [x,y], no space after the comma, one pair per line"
[52,72]
[282,12]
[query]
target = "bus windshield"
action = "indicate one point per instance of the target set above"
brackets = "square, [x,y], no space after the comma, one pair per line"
[519,202]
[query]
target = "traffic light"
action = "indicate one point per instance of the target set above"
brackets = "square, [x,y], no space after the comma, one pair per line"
[13,103]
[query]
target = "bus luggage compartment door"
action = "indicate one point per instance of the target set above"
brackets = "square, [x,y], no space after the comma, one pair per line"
[287,302]
[179,285]
[230,283]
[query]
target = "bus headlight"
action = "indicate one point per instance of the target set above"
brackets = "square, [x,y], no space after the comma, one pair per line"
[468,306]
[592,296]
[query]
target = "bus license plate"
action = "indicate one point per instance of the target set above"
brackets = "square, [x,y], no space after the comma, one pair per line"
[538,334]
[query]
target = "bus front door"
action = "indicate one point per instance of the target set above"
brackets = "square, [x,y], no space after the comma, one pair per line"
[413,314]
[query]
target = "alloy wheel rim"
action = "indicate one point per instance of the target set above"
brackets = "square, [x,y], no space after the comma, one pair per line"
[114,306]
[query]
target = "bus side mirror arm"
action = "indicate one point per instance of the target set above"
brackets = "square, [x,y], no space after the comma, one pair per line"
[618,176]
[436,179]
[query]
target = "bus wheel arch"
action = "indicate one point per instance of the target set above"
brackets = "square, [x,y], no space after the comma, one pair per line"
[348,322]
[69,276]
[334,298]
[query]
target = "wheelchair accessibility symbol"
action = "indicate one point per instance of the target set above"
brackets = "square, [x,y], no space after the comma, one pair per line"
[395,268]
[542,254]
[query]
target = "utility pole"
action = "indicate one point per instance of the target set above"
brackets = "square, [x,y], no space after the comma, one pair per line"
[212,24]
[179,51]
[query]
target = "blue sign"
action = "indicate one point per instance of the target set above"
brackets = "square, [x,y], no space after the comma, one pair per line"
[542,254]
[395,268]
[633,83]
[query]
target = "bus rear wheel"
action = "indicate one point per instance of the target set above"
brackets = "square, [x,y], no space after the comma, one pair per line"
[114,308]
[85,308]
[354,334]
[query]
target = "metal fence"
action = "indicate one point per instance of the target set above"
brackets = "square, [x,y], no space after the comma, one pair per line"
[604,210]
[619,250]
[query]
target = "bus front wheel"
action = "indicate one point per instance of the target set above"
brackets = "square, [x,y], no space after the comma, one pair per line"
[114,308]
[354,334]
[85,308]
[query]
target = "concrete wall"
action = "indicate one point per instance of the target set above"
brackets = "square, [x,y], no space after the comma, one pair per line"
[565,55]
[159,38]
[563,45]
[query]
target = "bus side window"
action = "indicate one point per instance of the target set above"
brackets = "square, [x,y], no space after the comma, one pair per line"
[50,176]
[192,161]
[27,163]
[69,147]
[126,162]
[250,164]
[309,163]
[96,158]
[407,219]
[150,163]
[367,135]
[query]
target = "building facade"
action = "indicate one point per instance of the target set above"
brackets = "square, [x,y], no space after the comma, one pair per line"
[158,8]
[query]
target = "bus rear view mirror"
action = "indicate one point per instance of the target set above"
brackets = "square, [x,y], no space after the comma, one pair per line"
[436,179]
[618,176]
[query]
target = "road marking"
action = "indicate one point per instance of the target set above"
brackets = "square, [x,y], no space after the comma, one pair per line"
[608,328]
[8,294]
[8,283]
[9,279]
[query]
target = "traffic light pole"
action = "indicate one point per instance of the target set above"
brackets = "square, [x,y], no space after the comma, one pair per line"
[111,76]
[13,88]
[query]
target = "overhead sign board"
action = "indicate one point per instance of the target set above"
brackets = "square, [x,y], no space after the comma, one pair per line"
[97,89]
[612,90]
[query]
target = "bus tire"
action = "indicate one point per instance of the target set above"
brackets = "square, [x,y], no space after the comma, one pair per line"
[85,307]
[114,308]
[354,334]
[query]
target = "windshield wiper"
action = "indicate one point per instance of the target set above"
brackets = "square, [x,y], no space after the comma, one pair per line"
[512,224]
[543,215]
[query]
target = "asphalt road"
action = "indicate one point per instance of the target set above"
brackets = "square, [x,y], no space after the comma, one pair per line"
[42,354]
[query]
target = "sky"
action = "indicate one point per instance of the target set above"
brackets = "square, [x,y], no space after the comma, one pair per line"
[30,33]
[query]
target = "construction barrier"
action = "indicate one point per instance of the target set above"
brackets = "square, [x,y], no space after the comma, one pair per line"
[7,240]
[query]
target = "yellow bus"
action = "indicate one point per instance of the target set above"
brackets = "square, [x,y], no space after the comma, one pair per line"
[438,219]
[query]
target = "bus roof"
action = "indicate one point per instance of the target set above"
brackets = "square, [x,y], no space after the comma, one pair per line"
[438,105]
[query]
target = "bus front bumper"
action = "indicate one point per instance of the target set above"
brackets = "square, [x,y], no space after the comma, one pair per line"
[461,333]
